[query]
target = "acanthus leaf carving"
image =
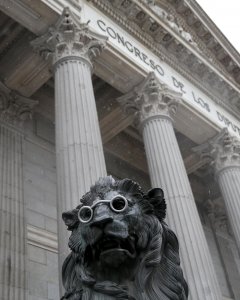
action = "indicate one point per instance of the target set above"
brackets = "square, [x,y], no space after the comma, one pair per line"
[151,99]
[69,38]
[14,108]
[223,150]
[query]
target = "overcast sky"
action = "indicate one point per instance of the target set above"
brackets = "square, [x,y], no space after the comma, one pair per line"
[226,15]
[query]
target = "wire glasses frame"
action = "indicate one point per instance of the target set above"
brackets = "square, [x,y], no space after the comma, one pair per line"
[117,204]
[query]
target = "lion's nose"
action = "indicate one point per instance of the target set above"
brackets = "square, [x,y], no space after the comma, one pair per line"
[101,222]
[101,216]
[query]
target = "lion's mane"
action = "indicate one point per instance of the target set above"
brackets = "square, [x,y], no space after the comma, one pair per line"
[158,275]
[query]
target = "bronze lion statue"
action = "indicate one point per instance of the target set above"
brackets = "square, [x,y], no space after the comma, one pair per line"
[120,246]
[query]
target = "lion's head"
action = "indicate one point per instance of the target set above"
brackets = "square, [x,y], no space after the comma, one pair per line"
[121,247]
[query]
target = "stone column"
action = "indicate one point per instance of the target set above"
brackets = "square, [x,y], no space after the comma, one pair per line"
[79,151]
[154,105]
[224,150]
[13,111]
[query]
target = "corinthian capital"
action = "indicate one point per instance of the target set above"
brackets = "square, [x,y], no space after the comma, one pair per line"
[69,39]
[151,99]
[223,150]
[14,108]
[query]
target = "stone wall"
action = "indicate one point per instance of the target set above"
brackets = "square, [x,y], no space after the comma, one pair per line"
[40,201]
[43,274]
[40,197]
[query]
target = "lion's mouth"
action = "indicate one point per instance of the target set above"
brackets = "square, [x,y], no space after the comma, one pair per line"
[108,243]
[112,250]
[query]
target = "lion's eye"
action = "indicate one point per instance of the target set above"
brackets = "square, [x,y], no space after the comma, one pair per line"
[119,203]
[85,214]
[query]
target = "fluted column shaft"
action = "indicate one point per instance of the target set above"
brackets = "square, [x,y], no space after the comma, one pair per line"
[229,183]
[155,105]
[12,218]
[224,151]
[167,170]
[14,110]
[79,151]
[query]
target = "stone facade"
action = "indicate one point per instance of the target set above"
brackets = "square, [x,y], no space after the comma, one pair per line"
[61,127]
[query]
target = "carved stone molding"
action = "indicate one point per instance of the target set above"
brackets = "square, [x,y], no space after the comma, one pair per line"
[151,99]
[207,36]
[223,150]
[42,238]
[208,33]
[177,46]
[172,21]
[14,108]
[70,39]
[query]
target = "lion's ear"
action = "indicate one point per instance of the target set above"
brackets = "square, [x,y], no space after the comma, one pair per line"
[156,192]
[70,218]
[156,198]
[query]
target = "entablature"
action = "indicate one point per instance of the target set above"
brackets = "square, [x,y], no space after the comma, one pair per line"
[24,71]
[173,31]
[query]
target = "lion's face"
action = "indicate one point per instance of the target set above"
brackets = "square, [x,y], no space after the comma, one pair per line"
[107,234]
[117,236]
[111,233]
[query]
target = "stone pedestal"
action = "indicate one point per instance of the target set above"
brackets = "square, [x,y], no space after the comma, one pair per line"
[13,111]
[155,104]
[224,150]
[79,150]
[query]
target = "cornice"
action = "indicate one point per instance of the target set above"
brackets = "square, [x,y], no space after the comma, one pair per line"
[214,29]
[174,8]
[201,45]
[214,76]
[214,43]
[131,27]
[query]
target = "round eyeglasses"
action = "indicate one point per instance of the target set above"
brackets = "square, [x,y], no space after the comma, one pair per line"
[117,204]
